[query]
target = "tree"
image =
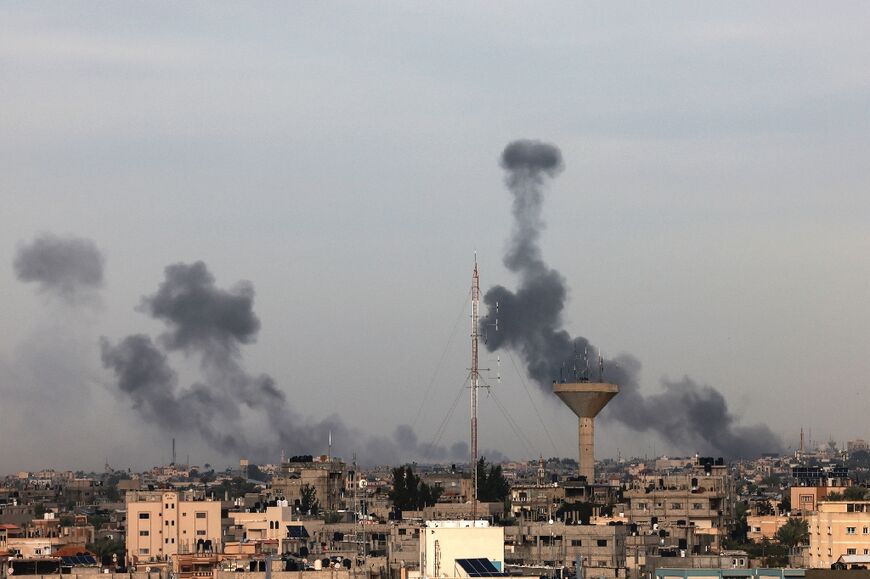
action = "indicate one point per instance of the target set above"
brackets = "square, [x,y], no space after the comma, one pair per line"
[855,493]
[409,492]
[834,496]
[793,533]
[492,487]
[237,487]
[107,547]
[308,502]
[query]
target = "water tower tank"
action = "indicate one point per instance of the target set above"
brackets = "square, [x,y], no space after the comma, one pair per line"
[586,399]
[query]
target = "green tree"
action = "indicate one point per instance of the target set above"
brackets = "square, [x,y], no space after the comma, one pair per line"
[854,493]
[834,496]
[107,547]
[237,487]
[409,492]
[793,533]
[492,487]
[308,502]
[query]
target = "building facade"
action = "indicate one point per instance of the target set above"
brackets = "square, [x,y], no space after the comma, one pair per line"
[165,523]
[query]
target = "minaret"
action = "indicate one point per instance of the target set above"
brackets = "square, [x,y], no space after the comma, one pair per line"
[475,381]
[801,451]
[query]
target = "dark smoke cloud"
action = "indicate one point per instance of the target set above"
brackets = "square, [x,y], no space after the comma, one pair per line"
[688,415]
[68,268]
[212,324]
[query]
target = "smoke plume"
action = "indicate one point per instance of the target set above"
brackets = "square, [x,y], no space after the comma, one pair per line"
[211,324]
[67,268]
[686,414]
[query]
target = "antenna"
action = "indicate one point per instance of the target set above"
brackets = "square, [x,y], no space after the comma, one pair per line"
[475,381]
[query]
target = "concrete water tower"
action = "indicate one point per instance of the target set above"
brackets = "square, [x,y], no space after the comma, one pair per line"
[586,399]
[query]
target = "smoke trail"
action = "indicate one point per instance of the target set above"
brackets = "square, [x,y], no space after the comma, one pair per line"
[530,322]
[212,324]
[67,268]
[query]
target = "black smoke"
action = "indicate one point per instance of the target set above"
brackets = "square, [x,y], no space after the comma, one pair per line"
[68,268]
[211,324]
[688,415]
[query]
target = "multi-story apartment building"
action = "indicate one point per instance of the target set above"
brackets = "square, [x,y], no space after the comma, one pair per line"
[166,522]
[838,528]
[702,501]
[327,477]
[602,547]
[269,524]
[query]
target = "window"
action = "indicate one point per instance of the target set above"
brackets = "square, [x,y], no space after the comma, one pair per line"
[698,506]
[850,531]
[200,515]
[403,531]
[676,505]
[602,542]
[642,506]
[851,551]
[867,551]
[144,533]
[144,515]
[173,523]
[166,541]
[183,514]
[143,551]
[167,523]
[172,540]
[201,532]
[576,543]
[866,530]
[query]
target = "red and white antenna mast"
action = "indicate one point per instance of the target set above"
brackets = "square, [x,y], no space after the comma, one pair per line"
[475,381]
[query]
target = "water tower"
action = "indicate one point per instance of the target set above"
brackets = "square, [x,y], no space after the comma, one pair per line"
[586,399]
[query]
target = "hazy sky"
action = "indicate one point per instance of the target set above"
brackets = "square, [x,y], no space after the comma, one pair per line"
[712,217]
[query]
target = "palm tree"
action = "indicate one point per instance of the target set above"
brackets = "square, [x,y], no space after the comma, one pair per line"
[793,533]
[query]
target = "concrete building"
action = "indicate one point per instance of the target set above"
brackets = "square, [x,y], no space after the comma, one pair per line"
[838,528]
[261,525]
[806,499]
[701,503]
[764,526]
[443,543]
[165,523]
[601,548]
[13,513]
[325,475]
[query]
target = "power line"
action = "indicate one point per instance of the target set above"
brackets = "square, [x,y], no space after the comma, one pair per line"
[532,400]
[513,424]
[442,427]
[441,361]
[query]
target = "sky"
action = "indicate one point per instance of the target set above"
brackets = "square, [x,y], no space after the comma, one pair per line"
[342,159]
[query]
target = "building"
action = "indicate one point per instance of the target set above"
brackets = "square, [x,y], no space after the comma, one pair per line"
[701,503]
[325,475]
[857,445]
[838,528]
[806,499]
[261,525]
[600,548]
[764,526]
[165,523]
[446,544]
